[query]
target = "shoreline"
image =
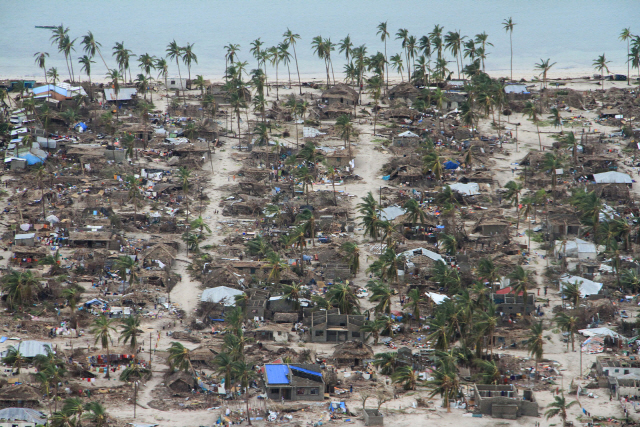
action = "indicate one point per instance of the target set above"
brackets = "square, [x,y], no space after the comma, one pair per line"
[308,77]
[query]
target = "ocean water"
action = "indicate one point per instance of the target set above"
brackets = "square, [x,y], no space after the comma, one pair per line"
[570,32]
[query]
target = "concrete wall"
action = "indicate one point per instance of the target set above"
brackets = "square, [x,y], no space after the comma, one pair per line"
[373,418]
[293,393]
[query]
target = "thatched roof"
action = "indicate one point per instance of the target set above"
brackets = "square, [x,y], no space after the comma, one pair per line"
[19,392]
[340,90]
[180,376]
[402,112]
[403,90]
[164,253]
[353,350]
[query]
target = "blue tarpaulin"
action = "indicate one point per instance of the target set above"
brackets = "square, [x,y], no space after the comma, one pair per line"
[31,158]
[81,125]
[451,165]
[277,374]
[307,371]
[386,177]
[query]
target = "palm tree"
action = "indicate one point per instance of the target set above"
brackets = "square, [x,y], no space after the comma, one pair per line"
[21,288]
[345,129]
[130,331]
[386,266]
[514,190]
[449,243]
[163,71]
[114,76]
[292,39]
[91,46]
[600,64]
[292,293]
[508,25]
[415,300]
[397,64]
[488,271]
[446,384]
[634,55]
[381,293]
[52,73]
[243,372]
[74,406]
[571,290]
[86,62]
[188,57]
[544,67]
[482,39]
[626,35]
[486,323]
[384,35]
[403,35]
[489,371]
[41,58]
[101,328]
[568,324]
[522,280]
[631,280]
[341,295]
[174,52]
[276,266]
[224,364]
[72,295]
[531,110]
[407,376]
[345,46]
[553,162]
[180,358]
[375,87]
[453,42]
[535,343]
[373,327]
[96,413]
[528,210]
[352,256]
[14,357]
[386,362]
[559,406]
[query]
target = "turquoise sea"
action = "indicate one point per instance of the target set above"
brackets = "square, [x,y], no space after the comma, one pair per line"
[570,32]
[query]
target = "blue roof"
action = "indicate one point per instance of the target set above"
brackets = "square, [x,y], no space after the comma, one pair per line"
[277,374]
[46,88]
[31,158]
[295,368]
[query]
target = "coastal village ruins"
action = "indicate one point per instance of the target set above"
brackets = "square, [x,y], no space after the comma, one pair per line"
[178,251]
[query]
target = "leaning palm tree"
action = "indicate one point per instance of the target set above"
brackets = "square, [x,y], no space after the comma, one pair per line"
[352,256]
[490,371]
[600,64]
[449,243]
[101,328]
[572,292]
[14,358]
[531,111]
[446,384]
[41,58]
[91,46]
[631,280]
[292,39]
[95,412]
[626,35]
[85,62]
[535,343]
[508,25]
[559,407]
[180,358]
[386,362]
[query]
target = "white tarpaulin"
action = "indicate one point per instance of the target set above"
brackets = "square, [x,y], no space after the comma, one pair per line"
[587,287]
[612,178]
[408,134]
[436,298]
[600,332]
[470,189]
[221,294]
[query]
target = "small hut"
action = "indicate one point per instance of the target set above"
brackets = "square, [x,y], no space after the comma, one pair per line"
[405,91]
[19,396]
[181,382]
[340,94]
[352,353]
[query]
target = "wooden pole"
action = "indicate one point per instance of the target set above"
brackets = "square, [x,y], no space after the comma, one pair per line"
[149,350]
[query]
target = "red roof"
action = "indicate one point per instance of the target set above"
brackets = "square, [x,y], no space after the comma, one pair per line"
[507,290]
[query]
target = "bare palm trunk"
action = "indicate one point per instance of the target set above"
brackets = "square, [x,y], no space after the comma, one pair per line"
[108,361]
[295,55]
[277,93]
[386,62]
[332,73]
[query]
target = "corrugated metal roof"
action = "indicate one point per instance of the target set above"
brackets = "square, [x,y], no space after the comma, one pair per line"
[23,414]
[31,348]
[392,212]
[307,371]
[277,374]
